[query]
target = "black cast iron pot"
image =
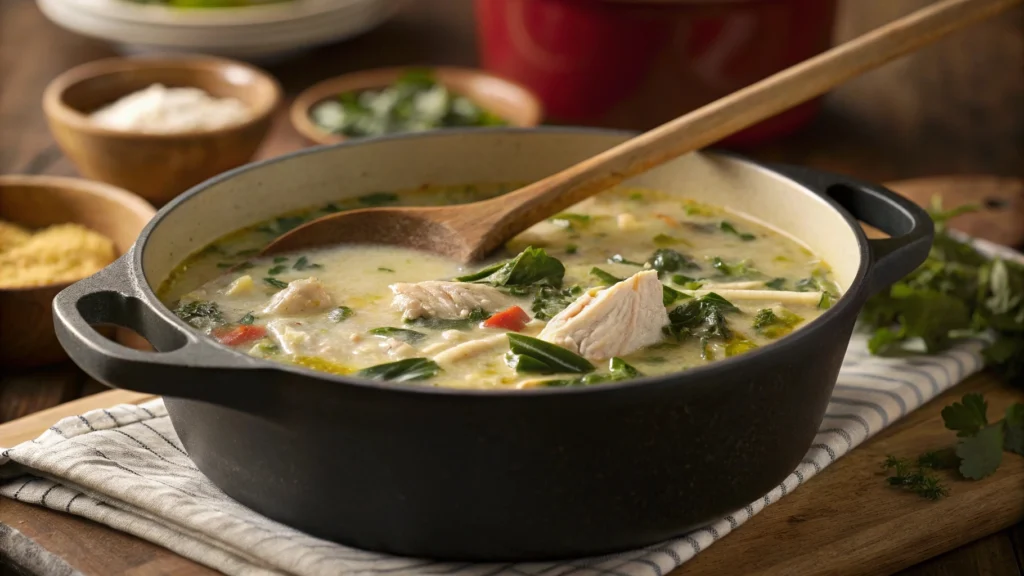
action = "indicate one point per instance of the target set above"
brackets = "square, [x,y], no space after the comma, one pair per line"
[485,475]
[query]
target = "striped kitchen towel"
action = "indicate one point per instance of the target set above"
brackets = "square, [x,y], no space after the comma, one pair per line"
[124,467]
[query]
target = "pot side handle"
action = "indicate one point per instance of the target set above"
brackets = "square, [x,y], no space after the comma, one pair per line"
[909,226]
[112,297]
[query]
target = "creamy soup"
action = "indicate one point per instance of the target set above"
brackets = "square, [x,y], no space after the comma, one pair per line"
[629,283]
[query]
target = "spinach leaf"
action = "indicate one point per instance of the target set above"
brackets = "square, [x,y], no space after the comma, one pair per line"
[477,315]
[720,302]
[410,336]
[528,354]
[247,319]
[776,284]
[702,317]
[550,301]
[742,268]
[807,285]
[402,370]
[667,260]
[212,249]
[281,225]
[670,295]
[532,266]
[518,290]
[765,317]
[621,369]
[340,314]
[686,282]
[303,263]
[275,283]
[279,269]
[728,228]
[200,314]
[771,325]
[618,370]
[482,273]
[235,267]
[737,345]
[279,259]
[818,281]
[826,301]
[606,278]
[378,199]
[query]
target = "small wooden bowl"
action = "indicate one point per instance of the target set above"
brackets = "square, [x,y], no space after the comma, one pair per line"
[27,338]
[513,102]
[158,167]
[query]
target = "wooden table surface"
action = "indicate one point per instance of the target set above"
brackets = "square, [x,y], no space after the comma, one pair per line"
[954,108]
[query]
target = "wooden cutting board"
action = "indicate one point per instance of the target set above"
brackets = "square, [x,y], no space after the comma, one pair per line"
[845,521]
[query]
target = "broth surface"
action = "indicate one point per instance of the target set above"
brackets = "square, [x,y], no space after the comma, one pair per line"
[631,282]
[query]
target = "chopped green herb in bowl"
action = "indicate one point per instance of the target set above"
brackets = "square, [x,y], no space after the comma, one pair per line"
[378,102]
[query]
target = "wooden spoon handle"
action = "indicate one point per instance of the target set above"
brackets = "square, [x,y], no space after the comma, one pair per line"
[504,217]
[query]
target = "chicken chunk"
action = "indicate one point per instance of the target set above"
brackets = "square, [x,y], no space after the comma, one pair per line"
[398,349]
[447,300]
[293,338]
[613,322]
[300,297]
[300,338]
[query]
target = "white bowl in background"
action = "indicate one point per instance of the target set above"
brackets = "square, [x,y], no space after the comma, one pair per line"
[254,33]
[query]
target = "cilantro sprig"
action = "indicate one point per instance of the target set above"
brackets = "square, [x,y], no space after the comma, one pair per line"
[976,455]
[957,291]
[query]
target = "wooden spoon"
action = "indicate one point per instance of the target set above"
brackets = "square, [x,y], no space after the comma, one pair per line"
[469,232]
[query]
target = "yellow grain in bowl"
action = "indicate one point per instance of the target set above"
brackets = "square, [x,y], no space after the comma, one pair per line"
[12,235]
[57,254]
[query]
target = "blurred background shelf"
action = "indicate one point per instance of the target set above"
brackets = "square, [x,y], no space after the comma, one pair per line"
[953,108]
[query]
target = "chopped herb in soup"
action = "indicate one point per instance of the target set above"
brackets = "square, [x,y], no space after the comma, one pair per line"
[413,103]
[630,283]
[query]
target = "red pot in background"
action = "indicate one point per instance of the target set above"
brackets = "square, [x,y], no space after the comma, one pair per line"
[637,64]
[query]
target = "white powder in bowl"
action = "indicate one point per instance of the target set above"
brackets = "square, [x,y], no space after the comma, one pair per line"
[161,110]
